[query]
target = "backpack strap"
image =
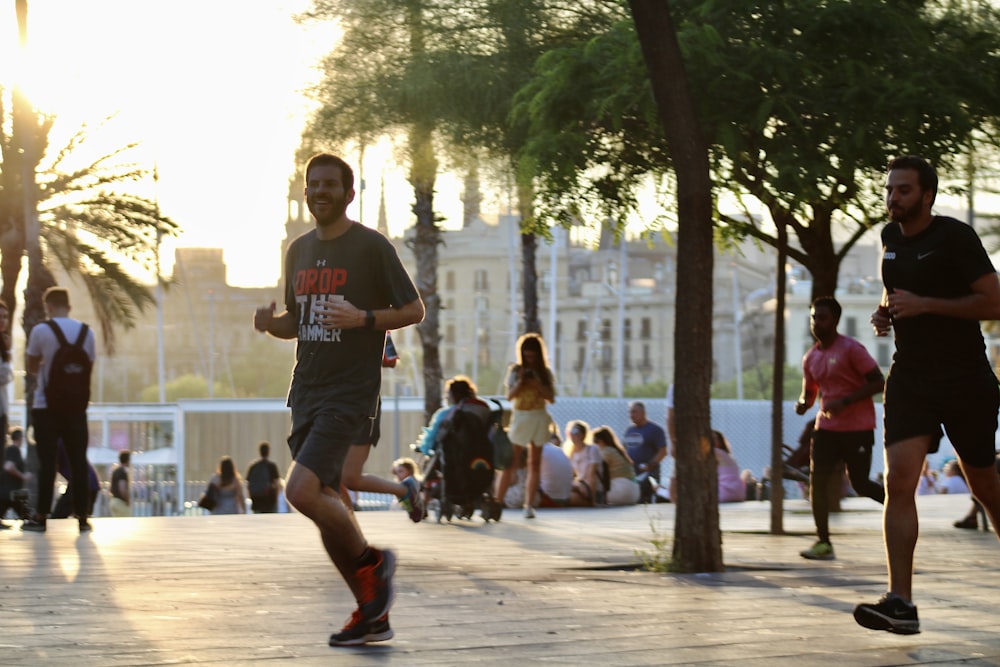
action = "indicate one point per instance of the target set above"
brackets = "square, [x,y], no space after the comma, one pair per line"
[62,337]
[83,335]
[58,332]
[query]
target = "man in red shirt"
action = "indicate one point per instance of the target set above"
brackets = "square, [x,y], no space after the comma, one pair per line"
[841,371]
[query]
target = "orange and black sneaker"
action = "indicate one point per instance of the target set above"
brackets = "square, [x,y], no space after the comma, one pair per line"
[375,581]
[359,631]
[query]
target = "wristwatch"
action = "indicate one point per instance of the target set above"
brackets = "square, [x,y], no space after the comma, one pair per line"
[369,319]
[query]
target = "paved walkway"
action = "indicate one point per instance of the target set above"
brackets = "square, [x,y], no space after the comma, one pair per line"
[559,590]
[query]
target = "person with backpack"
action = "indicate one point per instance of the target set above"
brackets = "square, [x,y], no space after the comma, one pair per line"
[60,353]
[263,482]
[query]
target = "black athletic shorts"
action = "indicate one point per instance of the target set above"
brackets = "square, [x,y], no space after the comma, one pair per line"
[831,447]
[324,426]
[919,404]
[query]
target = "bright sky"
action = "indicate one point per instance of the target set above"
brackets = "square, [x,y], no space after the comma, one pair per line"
[213,91]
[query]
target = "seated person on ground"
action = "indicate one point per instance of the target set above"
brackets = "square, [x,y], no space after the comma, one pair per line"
[622,487]
[587,464]
[556,477]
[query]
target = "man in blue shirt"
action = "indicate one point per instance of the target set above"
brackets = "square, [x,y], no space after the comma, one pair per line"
[646,443]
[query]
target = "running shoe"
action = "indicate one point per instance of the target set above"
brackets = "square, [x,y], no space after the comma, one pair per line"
[891,613]
[819,551]
[376,584]
[33,525]
[529,512]
[359,631]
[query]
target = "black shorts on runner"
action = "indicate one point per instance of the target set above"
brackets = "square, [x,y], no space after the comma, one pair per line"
[831,447]
[965,405]
[323,430]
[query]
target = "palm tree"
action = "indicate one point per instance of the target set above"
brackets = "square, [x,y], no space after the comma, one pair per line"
[88,224]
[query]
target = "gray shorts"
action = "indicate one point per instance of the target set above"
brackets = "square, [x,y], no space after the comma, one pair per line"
[324,427]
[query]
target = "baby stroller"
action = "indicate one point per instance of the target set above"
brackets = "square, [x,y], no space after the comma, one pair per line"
[459,474]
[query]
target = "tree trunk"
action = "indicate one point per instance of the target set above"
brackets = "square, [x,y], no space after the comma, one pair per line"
[777,391]
[697,537]
[423,174]
[529,269]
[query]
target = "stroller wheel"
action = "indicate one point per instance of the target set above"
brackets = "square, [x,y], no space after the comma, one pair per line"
[434,509]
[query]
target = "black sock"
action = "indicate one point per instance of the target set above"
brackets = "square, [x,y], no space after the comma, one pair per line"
[367,557]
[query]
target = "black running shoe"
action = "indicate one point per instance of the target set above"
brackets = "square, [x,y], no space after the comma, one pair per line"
[359,631]
[33,525]
[891,613]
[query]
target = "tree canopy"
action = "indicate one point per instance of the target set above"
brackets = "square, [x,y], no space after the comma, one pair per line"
[803,104]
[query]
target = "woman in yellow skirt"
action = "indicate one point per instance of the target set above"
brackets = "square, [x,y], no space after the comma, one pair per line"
[530,386]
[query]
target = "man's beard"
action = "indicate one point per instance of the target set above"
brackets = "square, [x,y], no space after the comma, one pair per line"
[905,215]
[336,212]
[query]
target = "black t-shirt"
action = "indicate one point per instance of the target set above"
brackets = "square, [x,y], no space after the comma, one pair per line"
[9,482]
[119,474]
[362,267]
[941,261]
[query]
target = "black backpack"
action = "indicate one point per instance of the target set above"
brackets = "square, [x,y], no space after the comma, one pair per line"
[259,480]
[67,389]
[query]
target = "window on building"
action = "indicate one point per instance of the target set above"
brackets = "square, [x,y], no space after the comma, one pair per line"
[851,327]
[628,329]
[605,330]
[581,357]
[449,334]
[581,330]
[646,332]
[482,280]
[883,356]
[449,360]
[449,280]
[628,357]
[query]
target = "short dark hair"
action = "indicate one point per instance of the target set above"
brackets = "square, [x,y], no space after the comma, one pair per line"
[16,433]
[926,174]
[57,297]
[264,448]
[124,456]
[829,303]
[346,173]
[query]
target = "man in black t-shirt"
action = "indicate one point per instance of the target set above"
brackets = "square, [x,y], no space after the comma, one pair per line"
[344,287]
[121,494]
[939,283]
[263,482]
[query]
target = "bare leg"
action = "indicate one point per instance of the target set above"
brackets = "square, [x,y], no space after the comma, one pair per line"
[507,474]
[904,461]
[534,475]
[341,535]
[985,486]
[355,479]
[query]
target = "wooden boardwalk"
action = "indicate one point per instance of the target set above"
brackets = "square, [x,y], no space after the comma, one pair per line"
[558,590]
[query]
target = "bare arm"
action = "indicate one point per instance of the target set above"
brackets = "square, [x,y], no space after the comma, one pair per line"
[281,325]
[806,398]
[982,304]
[874,384]
[34,362]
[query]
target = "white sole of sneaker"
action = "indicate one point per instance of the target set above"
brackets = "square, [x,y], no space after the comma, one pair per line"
[371,637]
